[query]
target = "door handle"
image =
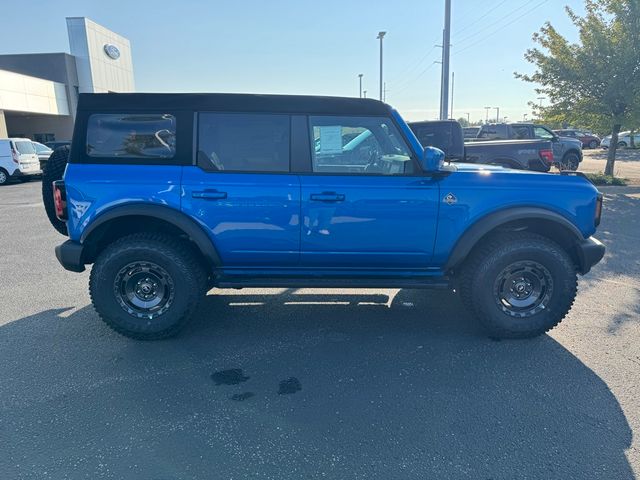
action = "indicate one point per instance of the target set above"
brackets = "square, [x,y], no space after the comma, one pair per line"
[210,195]
[327,197]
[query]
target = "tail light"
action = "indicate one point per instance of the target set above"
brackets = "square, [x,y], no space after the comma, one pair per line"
[598,214]
[547,156]
[14,155]
[60,200]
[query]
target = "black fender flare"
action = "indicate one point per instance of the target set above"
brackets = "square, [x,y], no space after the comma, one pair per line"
[170,215]
[486,224]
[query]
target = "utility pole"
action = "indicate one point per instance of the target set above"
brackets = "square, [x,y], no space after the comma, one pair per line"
[453,84]
[446,51]
[468,118]
[365,93]
[497,109]
[360,77]
[487,110]
[380,37]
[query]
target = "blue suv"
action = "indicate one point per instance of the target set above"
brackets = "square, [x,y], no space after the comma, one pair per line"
[169,195]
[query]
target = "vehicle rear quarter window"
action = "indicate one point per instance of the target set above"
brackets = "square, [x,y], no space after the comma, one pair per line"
[239,142]
[138,136]
[24,147]
[358,145]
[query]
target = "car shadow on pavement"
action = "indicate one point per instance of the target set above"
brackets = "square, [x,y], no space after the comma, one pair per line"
[302,384]
[620,232]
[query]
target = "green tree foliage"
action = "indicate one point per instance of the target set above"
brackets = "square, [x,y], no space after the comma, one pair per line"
[594,82]
[463,121]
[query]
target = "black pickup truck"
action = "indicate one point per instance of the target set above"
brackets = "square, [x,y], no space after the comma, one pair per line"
[567,151]
[447,135]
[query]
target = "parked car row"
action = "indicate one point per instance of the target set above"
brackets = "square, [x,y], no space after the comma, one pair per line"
[624,140]
[22,159]
[588,139]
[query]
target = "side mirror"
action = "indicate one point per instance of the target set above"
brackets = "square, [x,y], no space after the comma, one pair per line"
[432,159]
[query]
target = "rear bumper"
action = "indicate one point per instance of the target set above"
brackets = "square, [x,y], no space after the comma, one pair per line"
[590,252]
[69,254]
[20,174]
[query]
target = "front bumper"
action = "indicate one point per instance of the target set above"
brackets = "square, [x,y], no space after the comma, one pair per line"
[590,252]
[69,254]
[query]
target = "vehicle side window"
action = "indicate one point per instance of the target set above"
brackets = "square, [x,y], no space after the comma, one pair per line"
[143,136]
[238,142]
[352,145]
[540,132]
[520,132]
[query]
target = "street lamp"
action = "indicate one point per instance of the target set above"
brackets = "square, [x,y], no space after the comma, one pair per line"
[364,92]
[524,117]
[487,110]
[360,77]
[380,37]
[497,109]
[468,117]
[541,99]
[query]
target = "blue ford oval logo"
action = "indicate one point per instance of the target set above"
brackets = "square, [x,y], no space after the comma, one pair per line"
[112,51]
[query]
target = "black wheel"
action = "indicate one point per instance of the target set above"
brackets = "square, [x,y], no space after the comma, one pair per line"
[570,161]
[593,144]
[4,176]
[519,285]
[622,144]
[54,170]
[146,286]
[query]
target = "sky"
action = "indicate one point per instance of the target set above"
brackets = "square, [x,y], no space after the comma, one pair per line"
[314,47]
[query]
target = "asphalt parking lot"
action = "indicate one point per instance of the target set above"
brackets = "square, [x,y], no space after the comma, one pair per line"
[367,384]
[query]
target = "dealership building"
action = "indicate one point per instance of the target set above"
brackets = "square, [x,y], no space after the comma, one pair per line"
[39,91]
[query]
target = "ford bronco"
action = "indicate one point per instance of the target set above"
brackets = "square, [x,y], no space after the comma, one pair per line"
[169,195]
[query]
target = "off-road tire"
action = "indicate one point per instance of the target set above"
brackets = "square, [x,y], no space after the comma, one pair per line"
[54,170]
[477,282]
[175,257]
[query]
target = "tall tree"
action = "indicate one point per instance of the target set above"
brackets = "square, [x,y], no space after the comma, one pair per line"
[595,81]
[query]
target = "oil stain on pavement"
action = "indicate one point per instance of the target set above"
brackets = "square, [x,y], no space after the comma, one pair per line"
[233,376]
[241,397]
[289,386]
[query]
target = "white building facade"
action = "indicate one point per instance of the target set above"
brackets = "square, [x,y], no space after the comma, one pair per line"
[39,92]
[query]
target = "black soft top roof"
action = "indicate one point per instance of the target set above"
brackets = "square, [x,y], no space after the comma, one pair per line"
[231,102]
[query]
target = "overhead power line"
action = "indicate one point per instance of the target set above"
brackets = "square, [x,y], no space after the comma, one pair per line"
[476,42]
[476,20]
[499,21]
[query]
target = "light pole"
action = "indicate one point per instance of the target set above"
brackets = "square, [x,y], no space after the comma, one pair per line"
[468,117]
[380,37]
[505,119]
[524,117]
[365,93]
[446,50]
[497,109]
[541,99]
[487,110]
[360,77]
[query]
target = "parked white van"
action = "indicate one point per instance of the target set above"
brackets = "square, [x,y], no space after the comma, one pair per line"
[18,159]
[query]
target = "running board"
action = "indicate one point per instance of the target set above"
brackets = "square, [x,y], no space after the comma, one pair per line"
[411,283]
